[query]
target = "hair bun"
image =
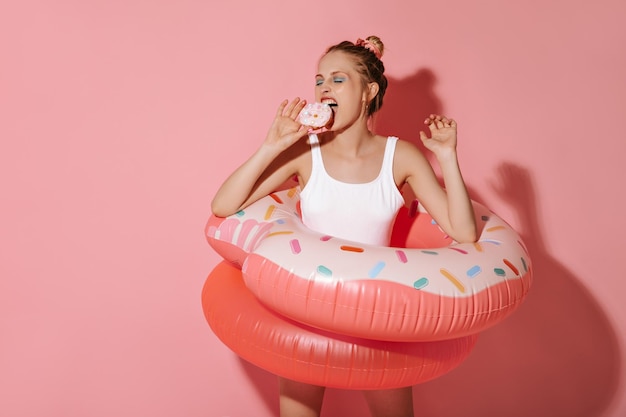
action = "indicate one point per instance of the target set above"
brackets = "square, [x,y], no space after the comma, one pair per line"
[375,40]
[373,44]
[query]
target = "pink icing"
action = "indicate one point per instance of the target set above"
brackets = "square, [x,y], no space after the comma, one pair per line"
[315,115]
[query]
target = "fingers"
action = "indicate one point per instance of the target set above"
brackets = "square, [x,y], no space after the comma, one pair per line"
[439,122]
[281,108]
[291,109]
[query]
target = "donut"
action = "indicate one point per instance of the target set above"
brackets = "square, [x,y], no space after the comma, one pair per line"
[383,293]
[302,353]
[315,115]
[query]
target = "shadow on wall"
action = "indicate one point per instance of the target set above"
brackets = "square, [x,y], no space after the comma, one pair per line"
[406,105]
[557,356]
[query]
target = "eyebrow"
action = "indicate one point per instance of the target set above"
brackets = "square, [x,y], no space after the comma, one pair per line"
[332,73]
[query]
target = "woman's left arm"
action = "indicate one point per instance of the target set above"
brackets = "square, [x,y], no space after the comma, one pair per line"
[450,206]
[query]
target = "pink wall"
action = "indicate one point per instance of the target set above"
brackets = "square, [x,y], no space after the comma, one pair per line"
[119,119]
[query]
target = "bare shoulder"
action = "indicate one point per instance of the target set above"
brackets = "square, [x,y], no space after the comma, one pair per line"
[406,146]
[408,153]
[408,161]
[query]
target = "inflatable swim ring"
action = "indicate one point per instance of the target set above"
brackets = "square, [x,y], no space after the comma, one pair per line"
[383,293]
[305,354]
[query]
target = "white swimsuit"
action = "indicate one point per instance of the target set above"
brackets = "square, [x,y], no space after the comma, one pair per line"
[361,212]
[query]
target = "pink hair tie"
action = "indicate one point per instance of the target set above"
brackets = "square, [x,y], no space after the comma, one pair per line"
[368,45]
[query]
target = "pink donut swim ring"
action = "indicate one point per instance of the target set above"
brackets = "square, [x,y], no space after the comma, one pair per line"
[315,115]
[372,292]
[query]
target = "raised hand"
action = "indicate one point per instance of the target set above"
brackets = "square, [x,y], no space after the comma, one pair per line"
[285,129]
[442,134]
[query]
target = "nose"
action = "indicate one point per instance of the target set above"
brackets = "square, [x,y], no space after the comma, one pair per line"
[324,86]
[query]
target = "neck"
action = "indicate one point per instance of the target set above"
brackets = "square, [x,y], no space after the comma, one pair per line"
[352,138]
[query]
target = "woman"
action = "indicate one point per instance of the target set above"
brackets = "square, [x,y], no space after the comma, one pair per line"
[346,168]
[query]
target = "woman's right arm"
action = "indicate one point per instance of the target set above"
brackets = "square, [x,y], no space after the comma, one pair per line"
[267,168]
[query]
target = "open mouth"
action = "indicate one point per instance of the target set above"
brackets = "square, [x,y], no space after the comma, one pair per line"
[330,102]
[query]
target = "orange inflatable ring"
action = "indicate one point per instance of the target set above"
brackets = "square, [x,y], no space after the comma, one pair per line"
[298,352]
[383,293]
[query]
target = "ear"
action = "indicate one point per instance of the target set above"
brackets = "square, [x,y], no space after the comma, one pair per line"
[372,91]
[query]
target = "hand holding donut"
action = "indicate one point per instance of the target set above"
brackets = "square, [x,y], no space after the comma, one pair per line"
[286,129]
[442,134]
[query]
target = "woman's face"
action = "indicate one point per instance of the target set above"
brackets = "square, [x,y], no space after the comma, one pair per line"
[339,84]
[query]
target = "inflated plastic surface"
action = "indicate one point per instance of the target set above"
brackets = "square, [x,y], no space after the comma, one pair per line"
[397,294]
[295,351]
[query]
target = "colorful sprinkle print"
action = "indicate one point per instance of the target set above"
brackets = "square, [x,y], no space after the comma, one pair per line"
[280,232]
[465,266]
[447,286]
[351,248]
[294,244]
[463,251]
[373,273]
[474,271]
[401,256]
[324,271]
[454,280]
[420,283]
[421,286]
[276,198]
[511,266]
[269,212]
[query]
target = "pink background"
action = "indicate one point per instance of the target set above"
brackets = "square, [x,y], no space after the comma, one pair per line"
[119,119]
